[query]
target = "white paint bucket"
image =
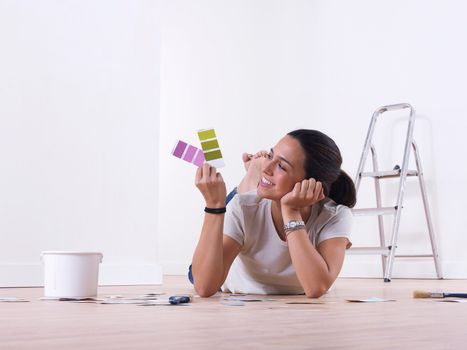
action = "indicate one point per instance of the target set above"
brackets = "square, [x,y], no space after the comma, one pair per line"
[70,274]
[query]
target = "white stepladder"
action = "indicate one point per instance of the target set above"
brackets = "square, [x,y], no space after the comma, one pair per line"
[388,252]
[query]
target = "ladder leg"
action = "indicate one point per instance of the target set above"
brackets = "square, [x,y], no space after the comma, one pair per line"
[382,239]
[366,149]
[400,197]
[426,206]
[393,246]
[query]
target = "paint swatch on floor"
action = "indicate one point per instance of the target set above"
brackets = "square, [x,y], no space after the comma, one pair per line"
[233,303]
[189,153]
[248,299]
[308,302]
[8,299]
[369,300]
[210,146]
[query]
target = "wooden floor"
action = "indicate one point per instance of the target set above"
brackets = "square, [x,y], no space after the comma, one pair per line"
[206,324]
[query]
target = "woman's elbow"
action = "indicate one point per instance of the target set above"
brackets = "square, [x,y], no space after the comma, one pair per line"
[205,291]
[315,292]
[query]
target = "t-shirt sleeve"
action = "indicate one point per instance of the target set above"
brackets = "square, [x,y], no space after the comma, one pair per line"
[339,225]
[234,221]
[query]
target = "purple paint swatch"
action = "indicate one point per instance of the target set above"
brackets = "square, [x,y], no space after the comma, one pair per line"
[179,149]
[199,159]
[188,153]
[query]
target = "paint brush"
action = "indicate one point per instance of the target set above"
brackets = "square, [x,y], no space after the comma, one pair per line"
[423,294]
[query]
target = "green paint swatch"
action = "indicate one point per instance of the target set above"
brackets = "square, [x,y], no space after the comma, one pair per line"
[211,148]
[207,134]
[213,155]
[207,145]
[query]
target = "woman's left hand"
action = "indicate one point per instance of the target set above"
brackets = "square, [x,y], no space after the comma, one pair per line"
[304,194]
[211,185]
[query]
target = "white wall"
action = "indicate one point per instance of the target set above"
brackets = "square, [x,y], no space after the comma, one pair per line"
[79,105]
[257,69]
[84,160]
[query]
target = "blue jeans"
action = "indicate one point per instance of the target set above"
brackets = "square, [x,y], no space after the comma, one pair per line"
[227,200]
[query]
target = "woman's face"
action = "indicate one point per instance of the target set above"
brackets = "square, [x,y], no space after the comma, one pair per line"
[282,170]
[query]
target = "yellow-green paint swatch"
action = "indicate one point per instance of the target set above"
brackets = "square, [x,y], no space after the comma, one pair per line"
[211,148]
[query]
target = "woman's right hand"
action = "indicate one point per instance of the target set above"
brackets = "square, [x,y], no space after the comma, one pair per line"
[211,185]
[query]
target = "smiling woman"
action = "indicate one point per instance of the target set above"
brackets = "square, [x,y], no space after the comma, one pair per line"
[286,231]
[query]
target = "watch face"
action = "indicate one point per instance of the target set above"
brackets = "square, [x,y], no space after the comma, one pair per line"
[293,224]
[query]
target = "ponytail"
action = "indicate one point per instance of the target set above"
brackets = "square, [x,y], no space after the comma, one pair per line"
[343,190]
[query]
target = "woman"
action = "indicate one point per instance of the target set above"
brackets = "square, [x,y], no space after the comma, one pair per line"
[287,237]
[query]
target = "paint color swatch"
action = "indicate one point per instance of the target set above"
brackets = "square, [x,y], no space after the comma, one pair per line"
[189,153]
[210,146]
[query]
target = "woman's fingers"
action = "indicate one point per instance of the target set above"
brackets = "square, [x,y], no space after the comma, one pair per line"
[207,169]
[211,185]
[213,174]
[312,190]
[308,187]
[208,174]
[199,175]
[304,193]
[318,191]
[205,174]
[297,189]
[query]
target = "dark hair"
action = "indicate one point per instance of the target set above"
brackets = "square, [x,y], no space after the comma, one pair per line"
[323,163]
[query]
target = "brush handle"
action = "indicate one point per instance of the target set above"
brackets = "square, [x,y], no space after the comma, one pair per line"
[455,295]
[178,299]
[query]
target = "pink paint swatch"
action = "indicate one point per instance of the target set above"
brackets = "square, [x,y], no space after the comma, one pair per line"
[199,159]
[188,153]
[179,149]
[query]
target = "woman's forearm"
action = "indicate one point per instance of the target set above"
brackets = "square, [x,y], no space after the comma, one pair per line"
[208,266]
[312,270]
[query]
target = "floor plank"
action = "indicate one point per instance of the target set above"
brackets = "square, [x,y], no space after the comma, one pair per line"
[207,323]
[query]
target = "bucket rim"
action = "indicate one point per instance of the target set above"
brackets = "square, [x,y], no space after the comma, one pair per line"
[63,252]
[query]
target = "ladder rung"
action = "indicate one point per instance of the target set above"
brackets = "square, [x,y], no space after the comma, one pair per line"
[383,251]
[388,174]
[368,250]
[414,256]
[374,211]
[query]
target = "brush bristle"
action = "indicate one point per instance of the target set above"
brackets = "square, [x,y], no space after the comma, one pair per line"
[422,294]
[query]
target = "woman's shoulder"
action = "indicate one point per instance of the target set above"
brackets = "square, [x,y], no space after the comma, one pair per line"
[328,209]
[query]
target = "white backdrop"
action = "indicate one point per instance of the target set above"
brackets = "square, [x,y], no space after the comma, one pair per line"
[79,105]
[93,95]
[257,69]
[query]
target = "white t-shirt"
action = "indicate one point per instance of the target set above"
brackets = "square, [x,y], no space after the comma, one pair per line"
[264,266]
